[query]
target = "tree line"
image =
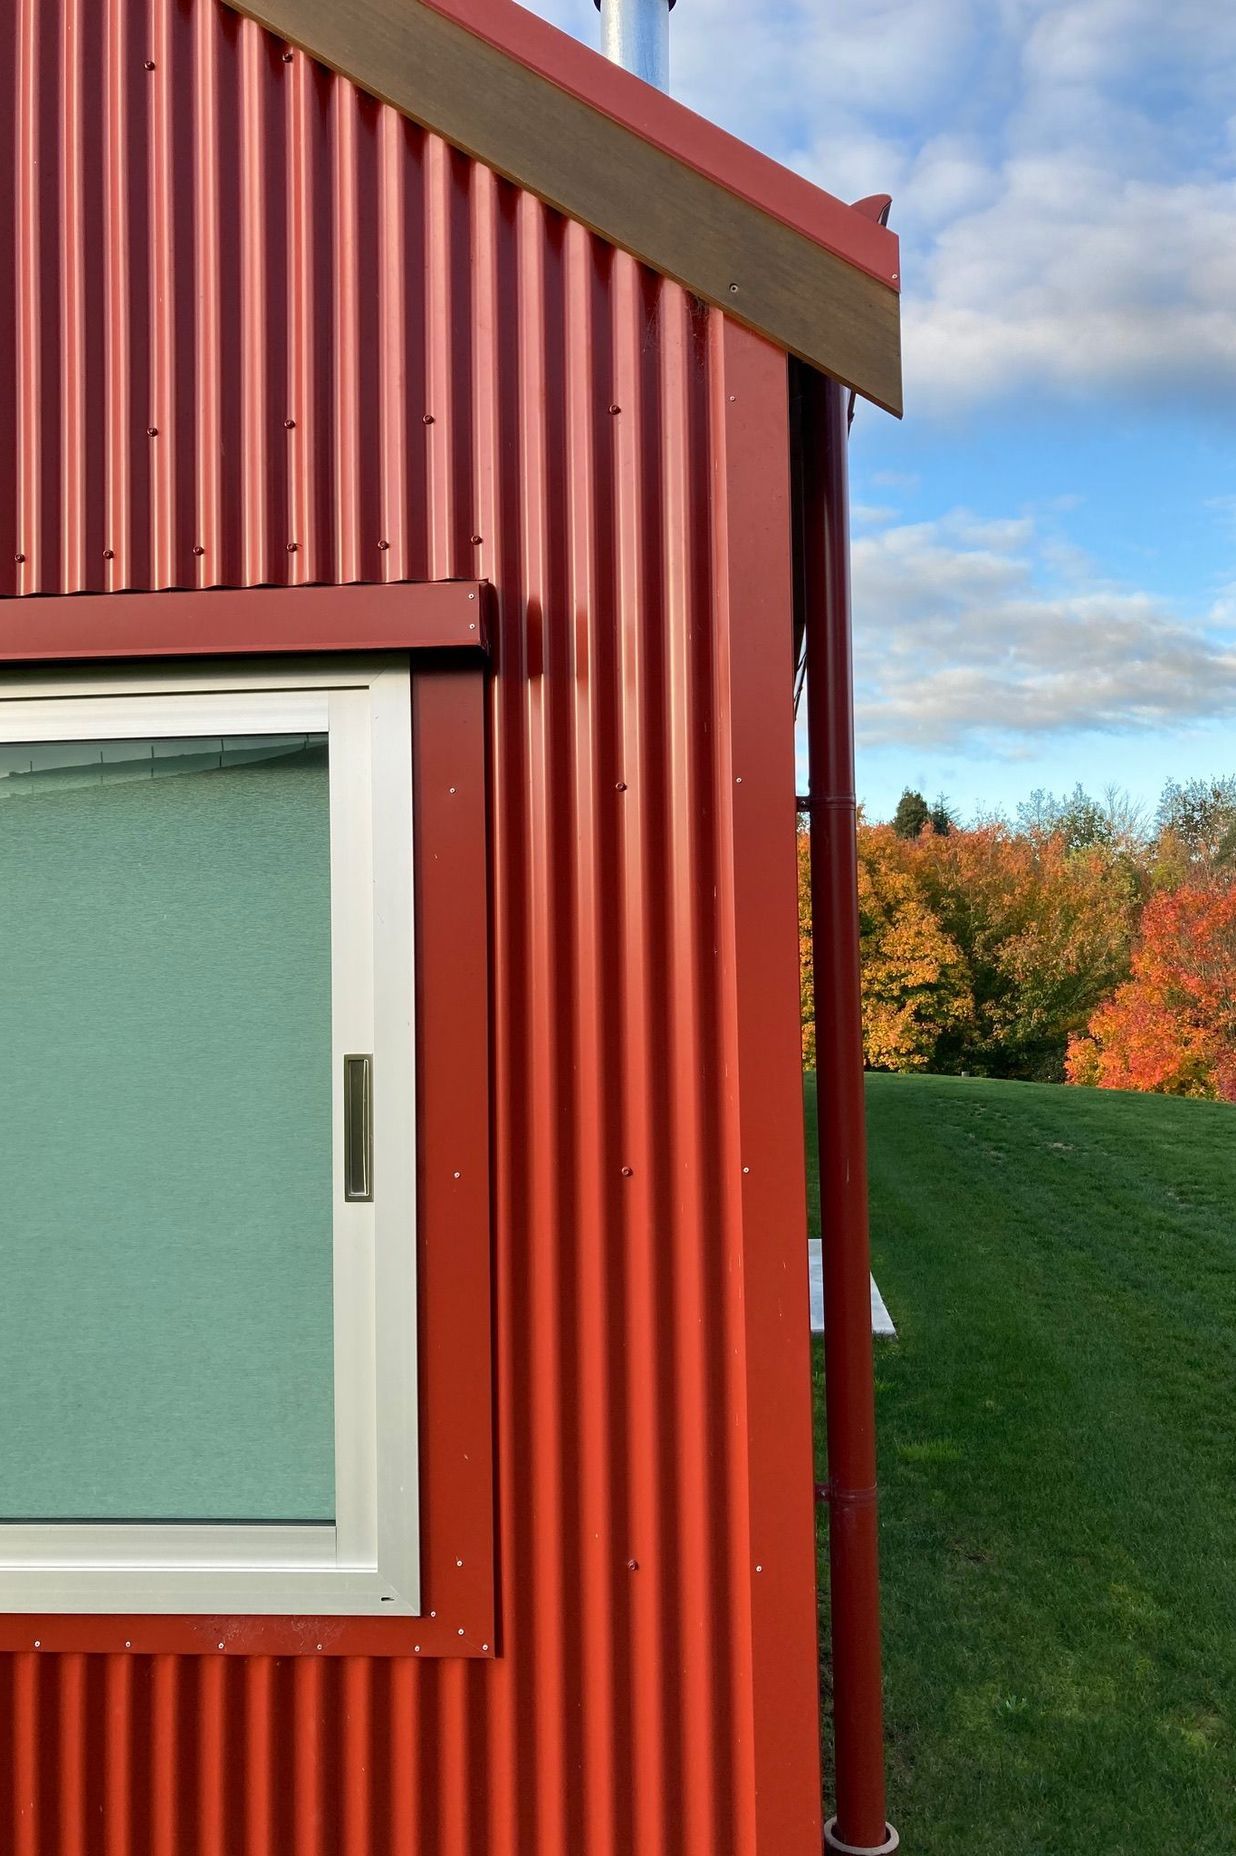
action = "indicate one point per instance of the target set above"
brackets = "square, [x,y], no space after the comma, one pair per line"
[1083,940]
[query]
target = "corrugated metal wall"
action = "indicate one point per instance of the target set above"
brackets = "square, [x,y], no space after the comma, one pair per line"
[264,331]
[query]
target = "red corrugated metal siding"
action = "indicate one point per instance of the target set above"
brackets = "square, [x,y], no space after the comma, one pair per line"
[265,332]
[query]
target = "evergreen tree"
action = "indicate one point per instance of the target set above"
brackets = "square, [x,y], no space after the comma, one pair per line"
[911,815]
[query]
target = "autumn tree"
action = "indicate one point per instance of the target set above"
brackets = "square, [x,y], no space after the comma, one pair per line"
[1044,932]
[1201,817]
[1171,1028]
[806,995]
[914,980]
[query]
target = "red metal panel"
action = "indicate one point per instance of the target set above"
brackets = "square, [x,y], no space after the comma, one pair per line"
[357,337]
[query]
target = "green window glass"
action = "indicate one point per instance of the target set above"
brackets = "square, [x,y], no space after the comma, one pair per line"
[166,1327]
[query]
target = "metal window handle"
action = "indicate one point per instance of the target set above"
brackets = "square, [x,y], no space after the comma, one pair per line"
[358,1129]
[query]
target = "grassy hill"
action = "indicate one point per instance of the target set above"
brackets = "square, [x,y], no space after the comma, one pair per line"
[1058,1439]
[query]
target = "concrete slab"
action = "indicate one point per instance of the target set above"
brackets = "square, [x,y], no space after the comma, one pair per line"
[881,1320]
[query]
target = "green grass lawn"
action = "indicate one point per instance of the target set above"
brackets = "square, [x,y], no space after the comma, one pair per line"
[1058,1460]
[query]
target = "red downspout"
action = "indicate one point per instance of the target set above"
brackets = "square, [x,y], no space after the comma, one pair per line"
[860,1823]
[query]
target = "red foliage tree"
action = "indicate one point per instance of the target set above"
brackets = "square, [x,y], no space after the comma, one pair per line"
[1171,1028]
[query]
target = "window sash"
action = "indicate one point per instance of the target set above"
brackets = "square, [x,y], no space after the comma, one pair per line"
[369,1561]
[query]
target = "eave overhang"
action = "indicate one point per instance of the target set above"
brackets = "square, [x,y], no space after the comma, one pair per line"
[815,276]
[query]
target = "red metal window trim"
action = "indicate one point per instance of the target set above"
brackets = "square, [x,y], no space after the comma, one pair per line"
[453,1185]
[434,615]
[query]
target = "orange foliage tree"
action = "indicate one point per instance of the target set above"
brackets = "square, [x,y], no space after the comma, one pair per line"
[1171,1028]
[915,987]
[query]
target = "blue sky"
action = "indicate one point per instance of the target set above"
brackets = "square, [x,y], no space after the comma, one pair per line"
[1045,548]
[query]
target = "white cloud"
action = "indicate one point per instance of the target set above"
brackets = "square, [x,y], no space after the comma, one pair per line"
[1063,171]
[968,634]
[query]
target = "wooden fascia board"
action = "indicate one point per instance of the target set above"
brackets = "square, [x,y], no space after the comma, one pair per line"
[583,161]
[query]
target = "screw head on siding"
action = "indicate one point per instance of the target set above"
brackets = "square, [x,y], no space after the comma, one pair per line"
[198,548]
[19,558]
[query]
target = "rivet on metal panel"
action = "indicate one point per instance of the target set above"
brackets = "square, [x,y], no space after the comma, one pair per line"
[628,1172]
[38,1643]
[620,786]
[477,540]
[456,1175]
[759,1569]
[417,1648]
[471,628]
[427,418]
[459,1562]
[220,1646]
[459,1632]
[292,546]
[19,558]
[615,408]
[198,548]
[472,596]
[738,779]
[152,431]
[433,1614]
[109,554]
[452,789]
[289,425]
[128,1643]
[484,1646]
[150,64]
[384,545]
[733,289]
[733,397]
[746,1169]
[287,57]
[319,1646]
[632,1565]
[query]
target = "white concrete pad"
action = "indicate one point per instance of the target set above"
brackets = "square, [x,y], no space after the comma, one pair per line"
[881,1320]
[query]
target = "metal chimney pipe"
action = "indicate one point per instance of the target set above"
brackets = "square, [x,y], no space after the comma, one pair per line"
[635,34]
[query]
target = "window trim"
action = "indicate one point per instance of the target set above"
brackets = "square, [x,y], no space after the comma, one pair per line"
[450,700]
[367,1560]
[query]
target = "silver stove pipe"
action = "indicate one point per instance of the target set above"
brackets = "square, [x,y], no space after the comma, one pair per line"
[635,34]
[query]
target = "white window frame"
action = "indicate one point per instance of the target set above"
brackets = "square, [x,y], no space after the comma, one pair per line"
[368,1561]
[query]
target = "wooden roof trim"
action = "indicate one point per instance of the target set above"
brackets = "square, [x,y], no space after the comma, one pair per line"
[680,132]
[510,94]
